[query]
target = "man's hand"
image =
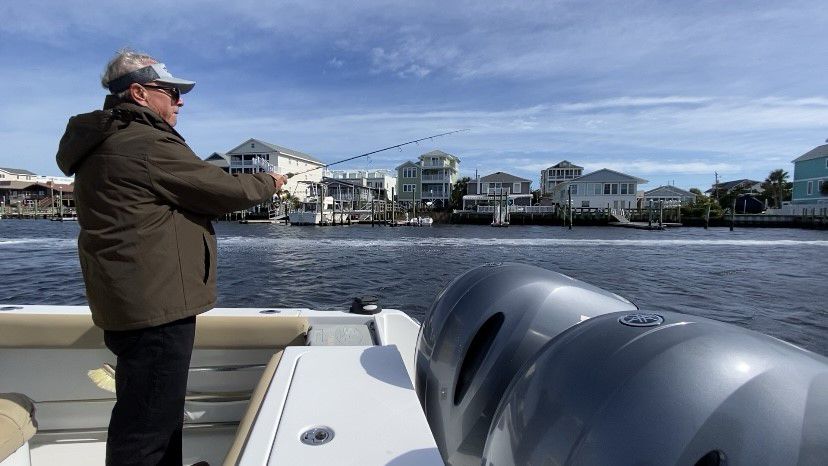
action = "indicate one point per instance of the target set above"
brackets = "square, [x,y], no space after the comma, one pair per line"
[278,180]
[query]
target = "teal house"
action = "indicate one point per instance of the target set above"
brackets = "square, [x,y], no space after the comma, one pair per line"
[810,174]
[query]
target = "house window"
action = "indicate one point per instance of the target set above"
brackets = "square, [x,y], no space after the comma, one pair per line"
[573,188]
[623,188]
[607,188]
[409,172]
[515,187]
[408,188]
[596,188]
[615,188]
[584,203]
[810,188]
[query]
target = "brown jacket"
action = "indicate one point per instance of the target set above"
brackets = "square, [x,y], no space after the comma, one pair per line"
[145,204]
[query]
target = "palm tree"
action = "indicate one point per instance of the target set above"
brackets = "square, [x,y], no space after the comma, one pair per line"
[777,182]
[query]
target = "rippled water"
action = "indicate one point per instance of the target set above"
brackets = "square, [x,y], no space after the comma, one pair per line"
[769,280]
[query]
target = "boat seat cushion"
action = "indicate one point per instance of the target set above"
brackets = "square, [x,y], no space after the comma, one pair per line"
[76,331]
[246,424]
[17,423]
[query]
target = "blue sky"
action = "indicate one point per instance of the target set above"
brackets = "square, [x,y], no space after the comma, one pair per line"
[670,91]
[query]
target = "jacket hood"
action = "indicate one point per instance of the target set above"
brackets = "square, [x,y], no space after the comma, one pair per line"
[87,131]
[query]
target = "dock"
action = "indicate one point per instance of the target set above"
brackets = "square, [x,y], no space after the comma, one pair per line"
[644,225]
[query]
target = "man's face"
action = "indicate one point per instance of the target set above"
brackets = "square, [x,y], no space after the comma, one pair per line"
[165,101]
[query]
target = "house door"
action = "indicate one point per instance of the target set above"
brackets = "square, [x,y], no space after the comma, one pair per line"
[615,204]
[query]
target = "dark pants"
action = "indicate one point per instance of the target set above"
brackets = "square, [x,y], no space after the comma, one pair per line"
[150,384]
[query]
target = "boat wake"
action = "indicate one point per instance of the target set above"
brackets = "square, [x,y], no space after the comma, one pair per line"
[406,242]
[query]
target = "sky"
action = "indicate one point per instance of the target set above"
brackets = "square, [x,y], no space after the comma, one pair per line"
[669,91]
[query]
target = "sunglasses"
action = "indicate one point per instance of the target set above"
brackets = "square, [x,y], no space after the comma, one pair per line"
[173,92]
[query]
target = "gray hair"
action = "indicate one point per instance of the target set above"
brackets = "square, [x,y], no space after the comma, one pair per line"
[125,61]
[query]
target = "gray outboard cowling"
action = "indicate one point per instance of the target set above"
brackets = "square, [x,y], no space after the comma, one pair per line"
[478,333]
[664,388]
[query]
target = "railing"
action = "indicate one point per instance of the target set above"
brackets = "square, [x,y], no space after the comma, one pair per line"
[441,178]
[529,209]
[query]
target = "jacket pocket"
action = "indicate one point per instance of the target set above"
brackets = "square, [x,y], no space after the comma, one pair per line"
[207,258]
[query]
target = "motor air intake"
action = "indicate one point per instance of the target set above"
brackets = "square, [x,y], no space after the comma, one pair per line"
[478,333]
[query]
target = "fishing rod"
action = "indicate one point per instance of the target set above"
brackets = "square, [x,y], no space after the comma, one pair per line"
[291,175]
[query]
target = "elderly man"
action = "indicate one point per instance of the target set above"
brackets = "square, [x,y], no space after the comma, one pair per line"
[147,246]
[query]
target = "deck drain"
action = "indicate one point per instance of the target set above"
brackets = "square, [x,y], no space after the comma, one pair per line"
[10,308]
[269,311]
[317,436]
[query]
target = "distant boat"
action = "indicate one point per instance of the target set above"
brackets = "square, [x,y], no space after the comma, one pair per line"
[421,222]
[312,211]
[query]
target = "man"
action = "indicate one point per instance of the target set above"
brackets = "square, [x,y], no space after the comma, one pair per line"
[147,247]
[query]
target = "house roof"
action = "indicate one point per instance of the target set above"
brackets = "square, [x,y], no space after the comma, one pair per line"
[668,191]
[20,184]
[815,153]
[728,185]
[17,171]
[605,174]
[244,148]
[503,178]
[439,153]
[564,164]
[408,163]
[221,160]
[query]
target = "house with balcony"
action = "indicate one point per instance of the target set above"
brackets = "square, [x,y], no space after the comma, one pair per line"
[809,180]
[600,189]
[256,156]
[429,180]
[558,173]
[496,187]
[377,183]
[669,195]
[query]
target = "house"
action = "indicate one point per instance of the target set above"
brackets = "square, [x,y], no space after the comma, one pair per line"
[810,177]
[36,195]
[670,195]
[486,190]
[600,189]
[256,156]
[429,180]
[558,173]
[16,174]
[379,182]
[742,186]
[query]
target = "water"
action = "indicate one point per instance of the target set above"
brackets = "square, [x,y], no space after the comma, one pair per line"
[769,280]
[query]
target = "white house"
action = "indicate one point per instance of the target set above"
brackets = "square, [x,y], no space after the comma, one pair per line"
[600,189]
[378,180]
[255,156]
[669,195]
[16,174]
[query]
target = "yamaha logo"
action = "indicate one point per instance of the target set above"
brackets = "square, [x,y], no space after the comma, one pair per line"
[641,320]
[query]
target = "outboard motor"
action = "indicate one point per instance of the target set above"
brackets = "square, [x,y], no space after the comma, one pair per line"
[478,333]
[664,388]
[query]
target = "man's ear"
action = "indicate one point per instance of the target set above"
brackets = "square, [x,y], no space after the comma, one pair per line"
[138,94]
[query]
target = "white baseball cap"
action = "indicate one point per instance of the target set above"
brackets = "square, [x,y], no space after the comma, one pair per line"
[156,72]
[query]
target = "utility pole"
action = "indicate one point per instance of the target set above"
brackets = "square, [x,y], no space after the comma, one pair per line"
[569,203]
[716,186]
